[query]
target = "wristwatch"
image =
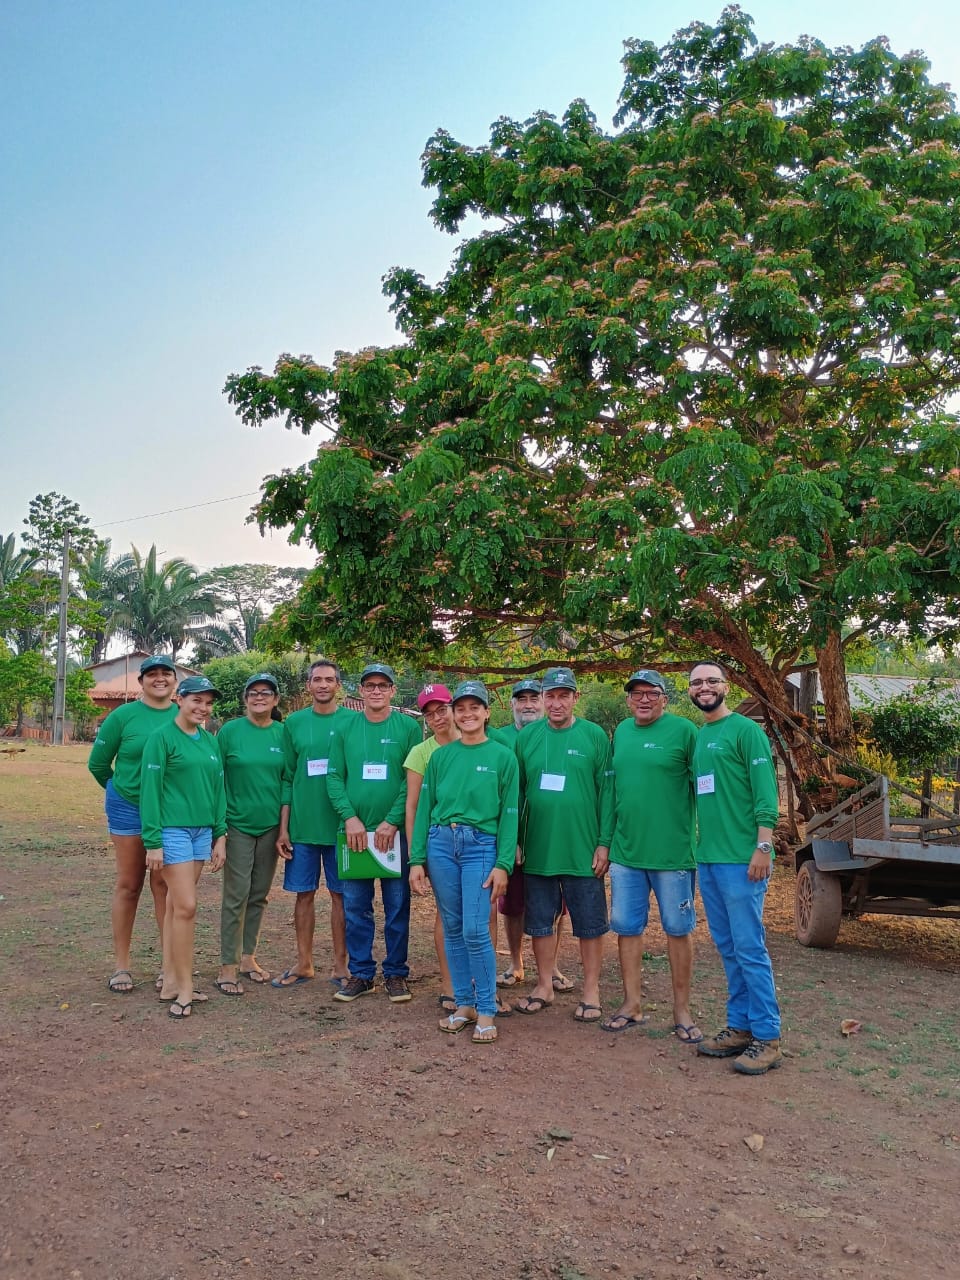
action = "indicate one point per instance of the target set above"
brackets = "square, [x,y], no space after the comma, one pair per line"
[764,846]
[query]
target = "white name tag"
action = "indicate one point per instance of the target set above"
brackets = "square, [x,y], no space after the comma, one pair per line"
[317,768]
[374,773]
[705,785]
[552,781]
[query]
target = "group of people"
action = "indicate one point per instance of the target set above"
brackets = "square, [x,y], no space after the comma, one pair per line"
[521,823]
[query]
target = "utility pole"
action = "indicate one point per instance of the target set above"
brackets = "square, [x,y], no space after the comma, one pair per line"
[60,688]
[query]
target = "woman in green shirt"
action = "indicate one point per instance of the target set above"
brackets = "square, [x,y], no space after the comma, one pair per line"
[114,761]
[184,811]
[465,839]
[252,751]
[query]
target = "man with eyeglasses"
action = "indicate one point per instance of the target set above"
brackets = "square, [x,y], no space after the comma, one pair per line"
[308,823]
[368,789]
[737,809]
[652,848]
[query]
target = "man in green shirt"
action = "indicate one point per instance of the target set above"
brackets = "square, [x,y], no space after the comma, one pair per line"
[367,786]
[308,824]
[653,847]
[566,783]
[737,809]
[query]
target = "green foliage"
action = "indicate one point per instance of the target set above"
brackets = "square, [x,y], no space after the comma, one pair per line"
[230,674]
[602,703]
[25,678]
[683,395]
[162,602]
[80,708]
[920,728]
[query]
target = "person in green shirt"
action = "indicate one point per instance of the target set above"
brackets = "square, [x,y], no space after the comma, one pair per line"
[367,786]
[308,823]
[737,809]
[251,748]
[115,760]
[526,703]
[566,785]
[652,848]
[184,809]
[465,839]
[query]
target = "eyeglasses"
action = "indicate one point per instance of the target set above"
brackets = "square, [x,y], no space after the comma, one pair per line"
[439,708]
[712,681]
[639,696]
[377,688]
[261,693]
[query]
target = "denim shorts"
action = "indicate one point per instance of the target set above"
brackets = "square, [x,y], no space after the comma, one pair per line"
[123,818]
[186,844]
[585,898]
[630,889]
[301,873]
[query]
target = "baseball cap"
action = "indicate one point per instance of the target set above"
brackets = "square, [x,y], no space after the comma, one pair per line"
[433,693]
[378,669]
[525,686]
[646,677]
[158,660]
[196,684]
[472,689]
[560,678]
[263,677]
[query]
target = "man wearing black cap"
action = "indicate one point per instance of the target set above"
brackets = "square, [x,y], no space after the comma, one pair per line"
[367,786]
[653,847]
[566,782]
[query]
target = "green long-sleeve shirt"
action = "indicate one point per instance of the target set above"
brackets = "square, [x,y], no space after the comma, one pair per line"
[566,789]
[307,739]
[117,752]
[477,785]
[366,779]
[655,813]
[181,784]
[736,787]
[252,774]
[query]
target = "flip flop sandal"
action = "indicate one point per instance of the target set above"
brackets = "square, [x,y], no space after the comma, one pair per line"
[259,976]
[178,1010]
[199,997]
[583,1009]
[563,984]
[508,978]
[532,1005]
[229,987]
[688,1036]
[447,1004]
[118,982]
[624,1021]
[290,979]
[456,1022]
[484,1035]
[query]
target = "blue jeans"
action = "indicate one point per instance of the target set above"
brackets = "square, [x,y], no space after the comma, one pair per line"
[734,907]
[358,909]
[459,859]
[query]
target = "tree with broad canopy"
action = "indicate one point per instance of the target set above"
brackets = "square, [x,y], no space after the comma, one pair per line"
[685,394]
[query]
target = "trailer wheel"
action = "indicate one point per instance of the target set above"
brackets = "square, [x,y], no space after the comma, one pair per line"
[818,906]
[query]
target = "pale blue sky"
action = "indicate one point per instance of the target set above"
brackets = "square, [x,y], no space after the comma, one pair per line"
[189,188]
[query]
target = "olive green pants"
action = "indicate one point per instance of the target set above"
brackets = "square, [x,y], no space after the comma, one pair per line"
[247,877]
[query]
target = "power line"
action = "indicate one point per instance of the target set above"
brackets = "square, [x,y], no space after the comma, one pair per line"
[151,515]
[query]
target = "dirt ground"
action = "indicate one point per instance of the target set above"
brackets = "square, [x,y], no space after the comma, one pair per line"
[284,1136]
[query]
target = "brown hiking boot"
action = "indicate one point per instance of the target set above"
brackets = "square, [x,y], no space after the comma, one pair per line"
[353,988]
[725,1044]
[396,988]
[758,1057]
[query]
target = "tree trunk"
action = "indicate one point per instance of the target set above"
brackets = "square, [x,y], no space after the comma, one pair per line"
[836,695]
[808,698]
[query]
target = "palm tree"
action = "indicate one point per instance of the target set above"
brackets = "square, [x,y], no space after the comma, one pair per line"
[106,581]
[227,636]
[24,592]
[163,602]
[14,564]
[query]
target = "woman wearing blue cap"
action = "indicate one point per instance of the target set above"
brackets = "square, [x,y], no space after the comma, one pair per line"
[465,839]
[251,748]
[114,761]
[184,810]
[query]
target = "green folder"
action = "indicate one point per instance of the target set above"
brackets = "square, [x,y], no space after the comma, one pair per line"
[369,863]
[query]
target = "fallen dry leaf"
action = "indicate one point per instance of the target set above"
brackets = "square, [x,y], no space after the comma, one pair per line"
[850,1027]
[552,1151]
[754,1141]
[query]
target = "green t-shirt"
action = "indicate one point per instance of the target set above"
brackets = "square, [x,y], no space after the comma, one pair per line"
[736,787]
[655,811]
[252,774]
[181,784]
[307,736]
[118,750]
[566,789]
[477,785]
[366,778]
[417,759]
